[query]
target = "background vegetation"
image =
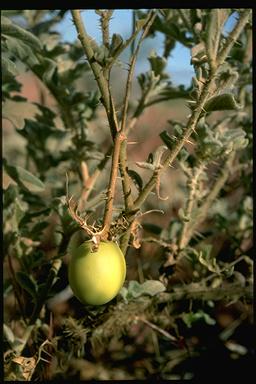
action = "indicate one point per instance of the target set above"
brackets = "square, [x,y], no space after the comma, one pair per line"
[165,171]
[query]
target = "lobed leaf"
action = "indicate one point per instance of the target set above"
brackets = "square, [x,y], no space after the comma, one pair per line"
[23,178]
[223,102]
[14,30]
[27,283]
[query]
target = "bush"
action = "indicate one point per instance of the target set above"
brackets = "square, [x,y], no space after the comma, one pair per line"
[83,161]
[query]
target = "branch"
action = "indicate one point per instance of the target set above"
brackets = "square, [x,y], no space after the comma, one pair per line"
[101,76]
[194,117]
[197,111]
[123,151]
[127,43]
[88,49]
[204,208]
[233,36]
[190,204]
[104,21]
[120,137]
[195,292]
[150,20]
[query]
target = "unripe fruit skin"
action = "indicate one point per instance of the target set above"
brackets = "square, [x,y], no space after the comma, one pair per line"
[96,277]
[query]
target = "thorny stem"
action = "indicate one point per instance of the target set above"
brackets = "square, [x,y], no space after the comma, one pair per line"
[233,36]
[232,264]
[123,150]
[194,117]
[120,137]
[203,210]
[87,46]
[191,291]
[190,203]
[101,80]
[125,177]
[104,21]
[127,42]
[111,114]
[150,21]
[192,122]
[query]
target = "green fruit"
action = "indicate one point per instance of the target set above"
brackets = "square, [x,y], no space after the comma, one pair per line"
[96,277]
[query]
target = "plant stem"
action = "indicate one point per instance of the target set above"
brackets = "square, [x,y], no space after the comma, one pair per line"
[125,177]
[127,42]
[97,70]
[233,36]
[204,209]
[191,126]
[87,46]
[198,293]
[104,21]
[120,137]
[194,117]
[192,184]
[123,150]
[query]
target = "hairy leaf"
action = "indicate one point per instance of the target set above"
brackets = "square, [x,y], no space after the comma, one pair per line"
[24,178]
[27,283]
[167,139]
[223,102]
[18,111]
[136,179]
[8,28]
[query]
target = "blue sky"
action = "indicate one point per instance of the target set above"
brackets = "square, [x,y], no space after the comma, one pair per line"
[178,64]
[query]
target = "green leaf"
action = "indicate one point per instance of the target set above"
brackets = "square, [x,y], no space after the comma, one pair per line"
[134,289]
[27,282]
[8,67]
[20,209]
[149,287]
[153,228]
[140,23]
[209,262]
[223,102]
[136,179]
[24,178]
[8,28]
[157,63]
[167,139]
[116,43]
[8,334]
[18,111]
[192,317]
[153,287]
[182,215]
[198,55]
